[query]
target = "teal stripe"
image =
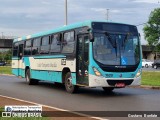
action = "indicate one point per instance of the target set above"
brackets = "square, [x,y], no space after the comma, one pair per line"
[16,58]
[48,57]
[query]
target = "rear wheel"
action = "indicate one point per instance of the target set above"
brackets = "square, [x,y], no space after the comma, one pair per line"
[68,84]
[29,80]
[108,89]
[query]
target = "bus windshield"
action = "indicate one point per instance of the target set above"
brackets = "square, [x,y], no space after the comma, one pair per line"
[116,48]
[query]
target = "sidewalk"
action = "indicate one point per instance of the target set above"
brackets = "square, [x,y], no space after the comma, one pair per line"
[59,115]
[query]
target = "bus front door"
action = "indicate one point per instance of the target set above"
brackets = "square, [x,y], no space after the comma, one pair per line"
[82,59]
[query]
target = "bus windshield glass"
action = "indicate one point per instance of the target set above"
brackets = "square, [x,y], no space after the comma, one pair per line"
[116,46]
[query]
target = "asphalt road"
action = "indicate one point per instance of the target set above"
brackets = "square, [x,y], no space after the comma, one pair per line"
[87,99]
[150,69]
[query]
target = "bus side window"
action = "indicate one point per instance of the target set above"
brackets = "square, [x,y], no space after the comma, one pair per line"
[36,46]
[55,43]
[68,42]
[45,45]
[27,49]
[15,49]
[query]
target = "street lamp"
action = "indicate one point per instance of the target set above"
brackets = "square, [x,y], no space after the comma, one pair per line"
[2,35]
[66,17]
[107,14]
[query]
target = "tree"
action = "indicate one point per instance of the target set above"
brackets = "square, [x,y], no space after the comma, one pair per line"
[152,29]
[5,55]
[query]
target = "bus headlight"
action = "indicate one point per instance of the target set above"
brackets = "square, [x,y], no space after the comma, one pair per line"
[97,73]
[139,73]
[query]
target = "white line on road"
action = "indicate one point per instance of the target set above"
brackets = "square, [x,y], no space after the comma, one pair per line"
[81,114]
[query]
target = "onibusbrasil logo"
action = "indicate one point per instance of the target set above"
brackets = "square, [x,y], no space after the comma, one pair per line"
[22,111]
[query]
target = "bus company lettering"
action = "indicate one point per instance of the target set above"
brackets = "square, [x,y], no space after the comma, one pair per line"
[46,65]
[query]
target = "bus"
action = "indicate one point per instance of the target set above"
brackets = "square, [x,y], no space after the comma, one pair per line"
[86,54]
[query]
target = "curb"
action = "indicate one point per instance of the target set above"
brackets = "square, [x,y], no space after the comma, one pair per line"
[146,87]
[50,107]
[6,74]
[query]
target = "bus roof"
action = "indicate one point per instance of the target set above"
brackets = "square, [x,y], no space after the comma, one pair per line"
[60,29]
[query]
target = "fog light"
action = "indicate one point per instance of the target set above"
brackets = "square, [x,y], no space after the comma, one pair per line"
[139,73]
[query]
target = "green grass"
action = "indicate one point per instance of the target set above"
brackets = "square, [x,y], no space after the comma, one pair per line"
[5,70]
[151,78]
[1,109]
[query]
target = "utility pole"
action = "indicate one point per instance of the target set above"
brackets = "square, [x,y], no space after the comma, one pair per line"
[107,14]
[2,35]
[66,16]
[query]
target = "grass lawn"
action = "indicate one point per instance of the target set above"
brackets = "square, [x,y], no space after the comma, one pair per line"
[151,78]
[5,69]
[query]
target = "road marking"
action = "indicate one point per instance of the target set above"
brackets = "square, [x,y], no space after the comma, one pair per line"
[81,114]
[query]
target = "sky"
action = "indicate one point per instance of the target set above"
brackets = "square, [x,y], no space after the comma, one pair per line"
[24,17]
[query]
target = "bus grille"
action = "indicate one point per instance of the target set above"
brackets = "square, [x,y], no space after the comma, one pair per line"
[114,82]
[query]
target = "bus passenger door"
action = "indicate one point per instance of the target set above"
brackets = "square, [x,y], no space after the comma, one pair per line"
[82,59]
[20,61]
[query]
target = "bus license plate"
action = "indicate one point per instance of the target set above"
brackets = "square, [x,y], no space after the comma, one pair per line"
[120,85]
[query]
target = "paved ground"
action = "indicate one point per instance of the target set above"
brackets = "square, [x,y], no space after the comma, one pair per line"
[150,69]
[127,99]
[52,114]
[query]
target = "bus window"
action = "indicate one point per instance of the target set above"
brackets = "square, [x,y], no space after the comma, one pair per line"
[15,49]
[45,45]
[27,49]
[68,42]
[55,44]
[36,46]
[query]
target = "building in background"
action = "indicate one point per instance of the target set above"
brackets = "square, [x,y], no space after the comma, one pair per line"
[148,53]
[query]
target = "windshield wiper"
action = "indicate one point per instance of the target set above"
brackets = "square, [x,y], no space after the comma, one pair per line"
[125,39]
[113,42]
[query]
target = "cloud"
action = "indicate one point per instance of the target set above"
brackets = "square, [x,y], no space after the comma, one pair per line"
[21,17]
[146,1]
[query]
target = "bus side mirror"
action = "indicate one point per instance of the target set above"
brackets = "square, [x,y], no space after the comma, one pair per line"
[139,34]
[91,37]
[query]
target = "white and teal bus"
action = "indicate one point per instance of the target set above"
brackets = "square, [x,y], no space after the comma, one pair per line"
[90,54]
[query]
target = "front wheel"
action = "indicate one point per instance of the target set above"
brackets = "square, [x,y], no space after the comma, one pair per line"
[108,89]
[29,80]
[68,84]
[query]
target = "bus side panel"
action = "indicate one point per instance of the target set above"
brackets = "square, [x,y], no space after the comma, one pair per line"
[18,67]
[49,68]
[26,61]
[74,78]
[47,75]
[15,71]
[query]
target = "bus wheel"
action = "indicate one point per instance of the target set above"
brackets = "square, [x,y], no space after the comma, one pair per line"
[108,89]
[68,84]
[29,80]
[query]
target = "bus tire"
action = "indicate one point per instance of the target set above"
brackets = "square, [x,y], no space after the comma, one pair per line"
[29,80]
[70,88]
[108,89]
